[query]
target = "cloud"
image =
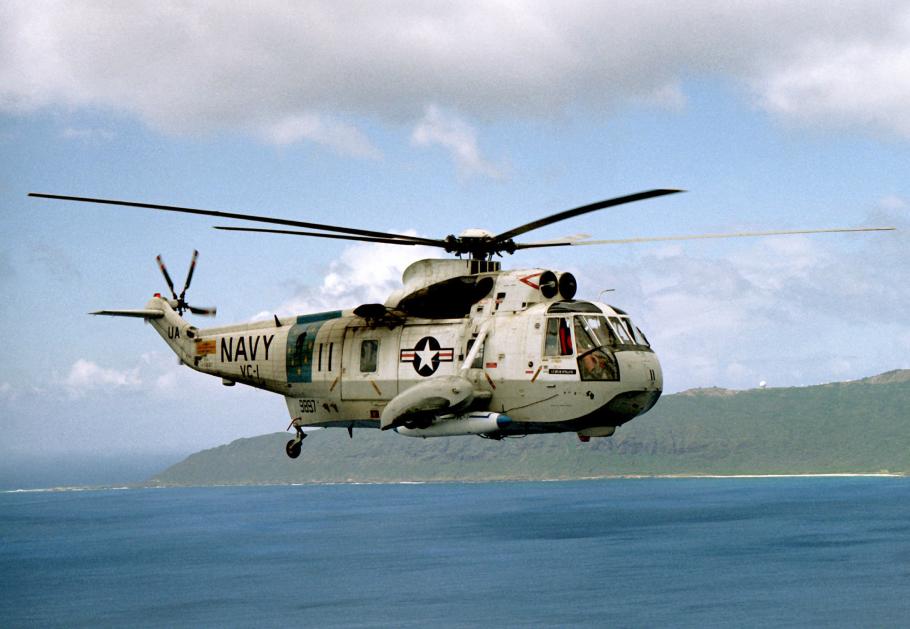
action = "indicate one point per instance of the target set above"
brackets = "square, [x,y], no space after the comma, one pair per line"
[864,83]
[7,392]
[344,139]
[85,376]
[87,134]
[458,138]
[791,310]
[154,374]
[55,262]
[364,273]
[292,72]
[893,203]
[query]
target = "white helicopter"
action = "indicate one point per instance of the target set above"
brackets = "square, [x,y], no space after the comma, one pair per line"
[463,348]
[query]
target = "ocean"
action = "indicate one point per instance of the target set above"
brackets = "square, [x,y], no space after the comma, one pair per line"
[736,552]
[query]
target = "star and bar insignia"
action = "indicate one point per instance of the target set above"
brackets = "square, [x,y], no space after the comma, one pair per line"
[426,356]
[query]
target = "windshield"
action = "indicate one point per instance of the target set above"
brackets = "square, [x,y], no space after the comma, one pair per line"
[627,333]
[592,331]
[623,332]
[593,338]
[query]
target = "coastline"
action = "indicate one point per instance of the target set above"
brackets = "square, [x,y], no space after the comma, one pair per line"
[137,486]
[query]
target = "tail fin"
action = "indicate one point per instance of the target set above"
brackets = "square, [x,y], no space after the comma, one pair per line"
[176,331]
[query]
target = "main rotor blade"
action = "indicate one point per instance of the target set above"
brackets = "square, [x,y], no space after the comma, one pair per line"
[243,217]
[167,277]
[584,209]
[389,241]
[555,242]
[206,312]
[624,241]
[189,275]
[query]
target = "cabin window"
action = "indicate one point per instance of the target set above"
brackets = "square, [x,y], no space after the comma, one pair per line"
[296,356]
[559,338]
[319,368]
[369,351]
[331,346]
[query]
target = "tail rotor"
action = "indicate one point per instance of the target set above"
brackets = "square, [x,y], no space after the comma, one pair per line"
[179,302]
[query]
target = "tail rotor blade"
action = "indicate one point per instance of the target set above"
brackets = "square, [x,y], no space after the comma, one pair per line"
[167,277]
[206,312]
[189,275]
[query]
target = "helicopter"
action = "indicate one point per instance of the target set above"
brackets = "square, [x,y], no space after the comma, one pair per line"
[462,348]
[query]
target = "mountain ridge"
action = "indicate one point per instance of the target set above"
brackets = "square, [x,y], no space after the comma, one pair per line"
[860,426]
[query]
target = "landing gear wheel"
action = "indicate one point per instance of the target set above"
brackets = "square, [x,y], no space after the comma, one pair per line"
[293,448]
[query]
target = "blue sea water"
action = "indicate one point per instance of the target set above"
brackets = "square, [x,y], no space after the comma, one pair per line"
[781,552]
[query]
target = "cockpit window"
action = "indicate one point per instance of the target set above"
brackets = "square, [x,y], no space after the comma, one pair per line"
[594,340]
[627,332]
[583,340]
[595,330]
[622,331]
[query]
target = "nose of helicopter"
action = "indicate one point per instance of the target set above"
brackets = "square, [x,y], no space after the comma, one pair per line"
[642,388]
[656,372]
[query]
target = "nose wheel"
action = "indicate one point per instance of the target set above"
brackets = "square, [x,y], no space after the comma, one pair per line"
[292,448]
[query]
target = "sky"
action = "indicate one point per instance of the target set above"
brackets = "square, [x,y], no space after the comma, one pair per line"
[430,118]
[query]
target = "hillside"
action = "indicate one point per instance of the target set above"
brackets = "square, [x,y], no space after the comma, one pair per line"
[851,427]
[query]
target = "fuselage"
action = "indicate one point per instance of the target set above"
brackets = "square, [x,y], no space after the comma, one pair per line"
[548,364]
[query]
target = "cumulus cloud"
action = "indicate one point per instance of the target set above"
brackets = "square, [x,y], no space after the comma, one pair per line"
[343,138]
[154,373]
[791,310]
[363,273]
[85,376]
[866,83]
[458,138]
[305,71]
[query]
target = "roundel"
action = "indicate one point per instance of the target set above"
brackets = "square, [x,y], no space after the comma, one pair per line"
[426,356]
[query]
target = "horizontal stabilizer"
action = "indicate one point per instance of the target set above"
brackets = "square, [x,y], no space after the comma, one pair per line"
[140,314]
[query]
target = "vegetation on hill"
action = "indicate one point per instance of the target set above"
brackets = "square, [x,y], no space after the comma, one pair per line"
[851,427]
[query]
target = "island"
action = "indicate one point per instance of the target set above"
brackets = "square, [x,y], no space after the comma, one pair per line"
[858,427]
